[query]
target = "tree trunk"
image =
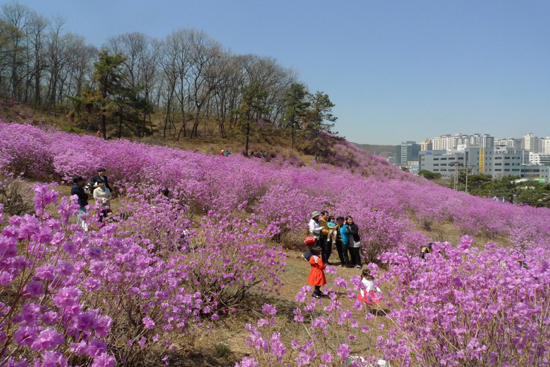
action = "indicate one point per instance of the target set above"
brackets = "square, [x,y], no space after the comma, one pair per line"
[184,123]
[195,130]
[120,123]
[166,118]
[104,126]
[247,135]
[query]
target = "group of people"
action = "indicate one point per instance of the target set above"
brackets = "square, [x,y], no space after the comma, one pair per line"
[99,188]
[340,232]
[260,154]
[225,153]
[344,234]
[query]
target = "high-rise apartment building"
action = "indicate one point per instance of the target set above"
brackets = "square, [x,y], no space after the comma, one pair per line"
[510,143]
[426,145]
[487,141]
[452,142]
[531,143]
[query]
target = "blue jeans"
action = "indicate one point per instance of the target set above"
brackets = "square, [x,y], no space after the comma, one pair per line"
[80,212]
[80,221]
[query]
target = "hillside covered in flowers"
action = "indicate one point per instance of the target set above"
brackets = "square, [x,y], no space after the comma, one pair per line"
[131,291]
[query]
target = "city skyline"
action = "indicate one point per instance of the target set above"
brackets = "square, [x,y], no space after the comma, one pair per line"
[496,137]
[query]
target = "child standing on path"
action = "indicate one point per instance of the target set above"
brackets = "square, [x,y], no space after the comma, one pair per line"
[317,273]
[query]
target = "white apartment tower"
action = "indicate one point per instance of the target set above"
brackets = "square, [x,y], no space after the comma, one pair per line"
[531,143]
[452,142]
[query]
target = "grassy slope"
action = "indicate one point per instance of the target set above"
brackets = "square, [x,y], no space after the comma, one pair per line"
[209,141]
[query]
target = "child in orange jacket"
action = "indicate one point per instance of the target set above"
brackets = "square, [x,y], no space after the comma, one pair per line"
[317,274]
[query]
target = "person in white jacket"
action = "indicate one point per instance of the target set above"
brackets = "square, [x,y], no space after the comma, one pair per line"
[314,231]
[102,196]
[314,226]
[369,294]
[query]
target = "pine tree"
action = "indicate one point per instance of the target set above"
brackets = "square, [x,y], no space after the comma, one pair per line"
[296,105]
[251,109]
[320,119]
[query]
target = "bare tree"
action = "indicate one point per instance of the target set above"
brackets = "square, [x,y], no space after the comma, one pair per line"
[15,21]
[56,59]
[204,74]
[36,33]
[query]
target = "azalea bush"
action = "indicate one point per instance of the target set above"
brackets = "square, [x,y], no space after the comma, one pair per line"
[120,289]
[464,306]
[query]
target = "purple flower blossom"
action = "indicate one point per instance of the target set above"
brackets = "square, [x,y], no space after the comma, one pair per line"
[326,358]
[47,339]
[344,351]
[32,290]
[104,360]
[269,309]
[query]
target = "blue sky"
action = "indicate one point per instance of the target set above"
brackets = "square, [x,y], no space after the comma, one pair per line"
[396,70]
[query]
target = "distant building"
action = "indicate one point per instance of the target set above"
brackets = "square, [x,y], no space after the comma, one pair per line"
[407,151]
[487,141]
[511,143]
[426,145]
[398,155]
[441,161]
[492,161]
[531,143]
[453,142]
[546,145]
[532,172]
[539,159]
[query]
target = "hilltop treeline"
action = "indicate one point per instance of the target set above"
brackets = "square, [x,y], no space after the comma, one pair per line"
[187,77]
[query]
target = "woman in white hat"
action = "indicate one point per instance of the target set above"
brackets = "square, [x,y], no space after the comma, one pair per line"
[314,230]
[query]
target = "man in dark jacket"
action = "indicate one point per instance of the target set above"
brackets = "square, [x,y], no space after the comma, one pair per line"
[78,190]
[100,178]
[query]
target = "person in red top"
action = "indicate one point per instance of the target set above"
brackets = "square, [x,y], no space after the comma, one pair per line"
[317,273]
[222,153]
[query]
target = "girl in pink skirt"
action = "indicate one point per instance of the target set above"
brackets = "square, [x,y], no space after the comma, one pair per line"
[371,294]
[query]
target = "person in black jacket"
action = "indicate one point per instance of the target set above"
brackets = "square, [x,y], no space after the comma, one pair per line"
[100,178]
[355,243]
[78,190]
